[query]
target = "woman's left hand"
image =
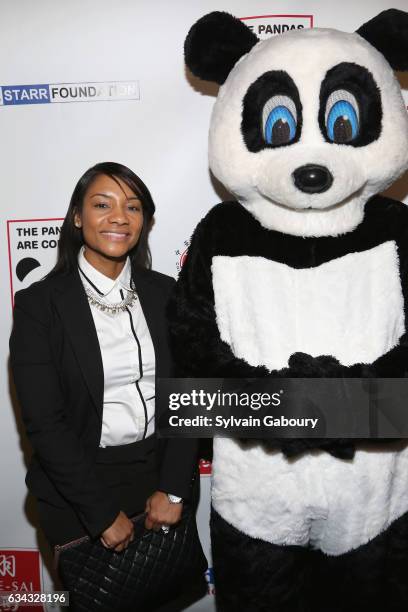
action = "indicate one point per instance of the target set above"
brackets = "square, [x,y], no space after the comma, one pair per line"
[161,512]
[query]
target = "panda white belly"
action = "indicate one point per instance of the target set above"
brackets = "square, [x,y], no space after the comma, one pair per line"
[352,308]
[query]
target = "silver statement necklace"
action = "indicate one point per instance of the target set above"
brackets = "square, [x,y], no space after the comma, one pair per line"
[115,308]
[111,308]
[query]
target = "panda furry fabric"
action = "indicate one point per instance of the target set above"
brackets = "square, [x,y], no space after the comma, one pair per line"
[305,274]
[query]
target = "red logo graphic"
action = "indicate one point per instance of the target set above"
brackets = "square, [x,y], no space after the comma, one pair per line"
[181,255]
[20,570]
[204,467]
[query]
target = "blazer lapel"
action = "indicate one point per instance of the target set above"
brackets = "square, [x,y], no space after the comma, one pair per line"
[72,304]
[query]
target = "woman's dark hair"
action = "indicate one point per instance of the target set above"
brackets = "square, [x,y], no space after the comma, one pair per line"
[71,238]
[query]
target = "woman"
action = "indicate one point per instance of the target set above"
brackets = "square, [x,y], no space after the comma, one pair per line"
[87,343]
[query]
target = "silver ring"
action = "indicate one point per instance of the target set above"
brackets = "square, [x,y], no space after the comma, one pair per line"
[165,528]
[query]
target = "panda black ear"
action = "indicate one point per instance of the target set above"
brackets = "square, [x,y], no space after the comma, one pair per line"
[215,43]
[388,33]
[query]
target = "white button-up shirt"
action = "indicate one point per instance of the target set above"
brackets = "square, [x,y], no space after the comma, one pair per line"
[128,359]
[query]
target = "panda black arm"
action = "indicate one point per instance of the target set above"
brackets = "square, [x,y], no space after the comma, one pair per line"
[197,346]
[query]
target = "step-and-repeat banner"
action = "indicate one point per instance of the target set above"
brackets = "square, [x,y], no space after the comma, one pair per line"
[87,81]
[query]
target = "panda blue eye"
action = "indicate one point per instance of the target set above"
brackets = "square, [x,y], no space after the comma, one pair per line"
[342,117]
[279,121]
[280,126]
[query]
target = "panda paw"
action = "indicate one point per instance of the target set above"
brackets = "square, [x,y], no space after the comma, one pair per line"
[302,365]
[341,448]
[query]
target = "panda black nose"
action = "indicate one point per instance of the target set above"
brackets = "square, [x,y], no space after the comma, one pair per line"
[312,178]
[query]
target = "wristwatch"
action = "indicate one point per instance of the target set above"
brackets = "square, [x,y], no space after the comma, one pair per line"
[174,499]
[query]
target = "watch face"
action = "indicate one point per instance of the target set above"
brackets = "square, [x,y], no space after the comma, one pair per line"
[174,499]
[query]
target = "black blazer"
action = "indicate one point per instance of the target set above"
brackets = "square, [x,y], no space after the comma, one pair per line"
[58,374]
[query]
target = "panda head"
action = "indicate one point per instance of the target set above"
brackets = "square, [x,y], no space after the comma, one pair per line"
[308,125]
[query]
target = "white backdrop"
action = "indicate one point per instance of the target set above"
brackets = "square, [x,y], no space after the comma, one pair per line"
[157,126]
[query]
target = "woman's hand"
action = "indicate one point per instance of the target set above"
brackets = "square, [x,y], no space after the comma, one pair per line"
[161,512]
[119,534]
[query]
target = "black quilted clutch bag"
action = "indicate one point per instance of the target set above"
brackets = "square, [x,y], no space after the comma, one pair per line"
[150,571]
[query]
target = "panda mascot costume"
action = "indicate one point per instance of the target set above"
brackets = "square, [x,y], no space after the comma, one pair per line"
[304,274]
